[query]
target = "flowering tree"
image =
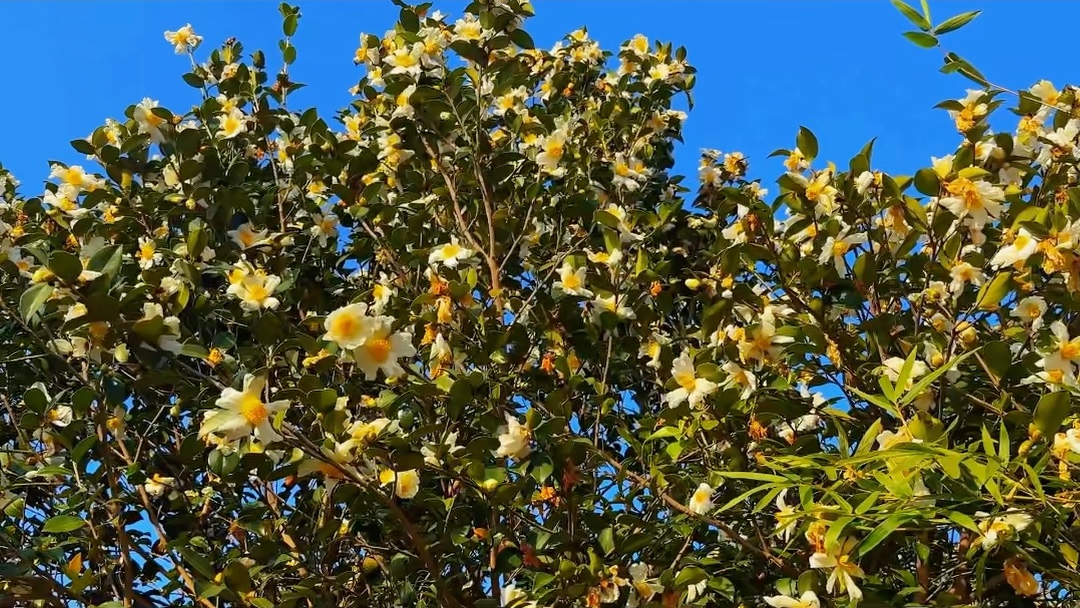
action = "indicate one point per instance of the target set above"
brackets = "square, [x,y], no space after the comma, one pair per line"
[469,344]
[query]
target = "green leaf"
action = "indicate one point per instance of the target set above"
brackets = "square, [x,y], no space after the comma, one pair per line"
[924,40]
[607,541]
[836,530]
[927,182]
[32,299]
[912,15]
[963,520]
[62,523]
[954,23]
[988,442]
[753,476]
[905,370]
[689,576]
[1050,411]
[65,265]
[288,26]
[993,292]
[867,503]
[882,532]
[807,143]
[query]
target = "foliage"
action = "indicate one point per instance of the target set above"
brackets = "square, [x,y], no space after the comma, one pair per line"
[468,344]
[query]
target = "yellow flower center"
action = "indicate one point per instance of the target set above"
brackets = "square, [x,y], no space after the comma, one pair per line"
[253,409]
[146,251]
[73,177]
[1070,350]
[622,169]
[1055,376]
[405,59]
[840,248]
[257,291]
[344,325]
[686,380]
[378,349]
[554,149]
[1021,242]
[451,250]
[231,124]
[572,281]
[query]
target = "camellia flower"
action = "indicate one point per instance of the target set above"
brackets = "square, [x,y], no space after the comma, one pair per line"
[255,291]
[512,597]
[808,599]
[552,148]
[246,236]
[892,367]
[514,439]
[244,412]
[978,200]
[406,483]
[996,529]
[692,389]
[156,485]
[1066,350]
[59,416]
[1018,251]
[1030,311]
[602,304]
[184,40]
[381,349]
[450,255]
[739,378]
[325,227]
[231,124]
[844,570]
[148,253]
[837,247]
[572,282]
[348,326]
[786,520]
[963,273]
[701,500]
[149,122]
[644,587]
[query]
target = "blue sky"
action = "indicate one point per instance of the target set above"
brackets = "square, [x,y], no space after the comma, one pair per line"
[841,68]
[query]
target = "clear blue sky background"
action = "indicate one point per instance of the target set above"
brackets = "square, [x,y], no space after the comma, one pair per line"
[841,68]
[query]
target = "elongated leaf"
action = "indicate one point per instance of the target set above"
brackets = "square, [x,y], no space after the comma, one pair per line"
[62,523]
[954,23]
[922,39]
[882,532]
[912,15]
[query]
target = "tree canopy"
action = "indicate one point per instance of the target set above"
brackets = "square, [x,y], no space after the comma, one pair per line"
[470,342]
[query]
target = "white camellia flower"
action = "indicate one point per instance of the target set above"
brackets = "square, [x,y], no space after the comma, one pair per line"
[692,390]
[843,571]
[231,124]
[348,326]
[512,597]
[739,378]
[59,416]
[450,255]
[246,236]
[806,600]
[837,247]
[701,500]
[157,485]
[244,412]
[962,274]
[996,529]
[406,483]
[552,147]
[148,255]
[149,122]
[644,587]
[1066,351]
[572,282]
[1019,250]
[786,519]
[382,348]
[255,291]
[978,200]
[601,304]
[184,40]
[514,440]
[324,228]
